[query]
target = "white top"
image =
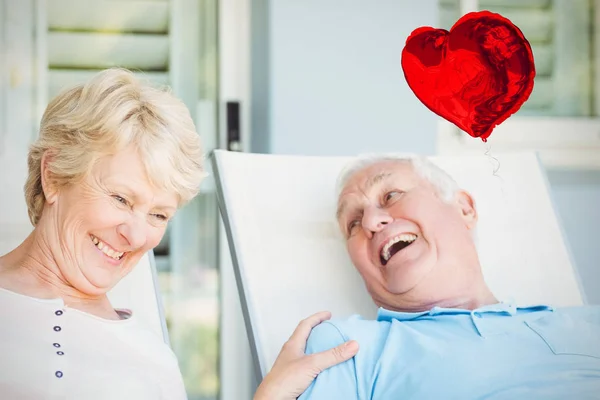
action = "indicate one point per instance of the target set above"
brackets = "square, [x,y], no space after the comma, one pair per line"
[50,351]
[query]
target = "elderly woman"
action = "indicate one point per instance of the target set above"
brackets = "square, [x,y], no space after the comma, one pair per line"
[114,161]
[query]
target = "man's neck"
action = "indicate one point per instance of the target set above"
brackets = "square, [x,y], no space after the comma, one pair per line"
[469,302]
[467,292]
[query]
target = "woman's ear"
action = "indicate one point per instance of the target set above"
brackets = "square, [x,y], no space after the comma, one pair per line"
[467,208]
[49,185]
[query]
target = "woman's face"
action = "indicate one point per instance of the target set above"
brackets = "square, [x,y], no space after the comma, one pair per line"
[106,223]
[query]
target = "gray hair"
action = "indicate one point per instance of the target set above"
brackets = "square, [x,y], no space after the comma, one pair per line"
[445,185]
[440,179]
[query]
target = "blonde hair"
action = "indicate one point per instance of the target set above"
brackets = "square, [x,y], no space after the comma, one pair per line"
[102,117]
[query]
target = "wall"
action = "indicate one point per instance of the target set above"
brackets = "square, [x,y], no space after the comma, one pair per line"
[336,84]
[577,201]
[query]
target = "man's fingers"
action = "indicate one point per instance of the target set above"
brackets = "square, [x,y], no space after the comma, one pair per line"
[337,355]
[302,331]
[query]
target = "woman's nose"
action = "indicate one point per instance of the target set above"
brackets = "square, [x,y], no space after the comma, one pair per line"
[134,232]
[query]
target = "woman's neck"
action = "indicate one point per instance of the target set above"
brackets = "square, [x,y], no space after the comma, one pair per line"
[32,270]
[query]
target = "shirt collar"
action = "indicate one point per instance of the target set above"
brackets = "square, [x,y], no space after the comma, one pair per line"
[506,308]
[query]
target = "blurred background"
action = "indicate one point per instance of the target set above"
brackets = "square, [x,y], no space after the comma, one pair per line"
[312,77]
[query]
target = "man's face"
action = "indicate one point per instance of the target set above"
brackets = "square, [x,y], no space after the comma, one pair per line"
[410,246]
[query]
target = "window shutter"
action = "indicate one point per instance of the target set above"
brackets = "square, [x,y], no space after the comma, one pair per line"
[77,38]
[559,32]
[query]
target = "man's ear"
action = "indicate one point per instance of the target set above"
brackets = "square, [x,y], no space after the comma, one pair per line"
[467,208]
[49,185]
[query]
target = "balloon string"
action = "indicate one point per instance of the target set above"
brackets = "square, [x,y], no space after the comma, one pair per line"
[494,160]
[496,164]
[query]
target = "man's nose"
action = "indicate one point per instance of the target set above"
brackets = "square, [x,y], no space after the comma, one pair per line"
[375,220]
[134,232]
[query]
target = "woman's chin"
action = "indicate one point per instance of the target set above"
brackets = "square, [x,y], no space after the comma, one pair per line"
[104,272]
[99,278]
[100,273]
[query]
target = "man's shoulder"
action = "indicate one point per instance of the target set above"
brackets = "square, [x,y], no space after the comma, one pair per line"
[348,379]
[357,325]
[337,331]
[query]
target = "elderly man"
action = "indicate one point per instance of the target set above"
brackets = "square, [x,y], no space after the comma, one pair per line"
[440,333]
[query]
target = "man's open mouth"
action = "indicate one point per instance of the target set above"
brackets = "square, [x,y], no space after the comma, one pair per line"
[394,245]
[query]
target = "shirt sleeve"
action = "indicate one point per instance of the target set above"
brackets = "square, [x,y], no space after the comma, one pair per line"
[337,382]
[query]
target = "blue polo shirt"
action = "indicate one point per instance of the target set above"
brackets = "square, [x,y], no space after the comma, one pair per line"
[495,352]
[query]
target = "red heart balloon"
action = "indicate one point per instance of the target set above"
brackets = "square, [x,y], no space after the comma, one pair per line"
[475,76]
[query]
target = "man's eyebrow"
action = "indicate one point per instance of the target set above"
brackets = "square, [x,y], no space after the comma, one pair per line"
[375,179]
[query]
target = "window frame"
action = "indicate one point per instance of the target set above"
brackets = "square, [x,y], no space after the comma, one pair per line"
[561,142]
[3,80]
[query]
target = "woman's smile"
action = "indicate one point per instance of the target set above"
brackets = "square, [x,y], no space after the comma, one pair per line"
[110,254]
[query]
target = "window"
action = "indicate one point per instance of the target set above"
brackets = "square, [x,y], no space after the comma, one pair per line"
[49,44]
[16,110]
[561,117]
[174,43]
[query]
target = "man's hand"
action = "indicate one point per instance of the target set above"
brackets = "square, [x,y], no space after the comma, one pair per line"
[293,371]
